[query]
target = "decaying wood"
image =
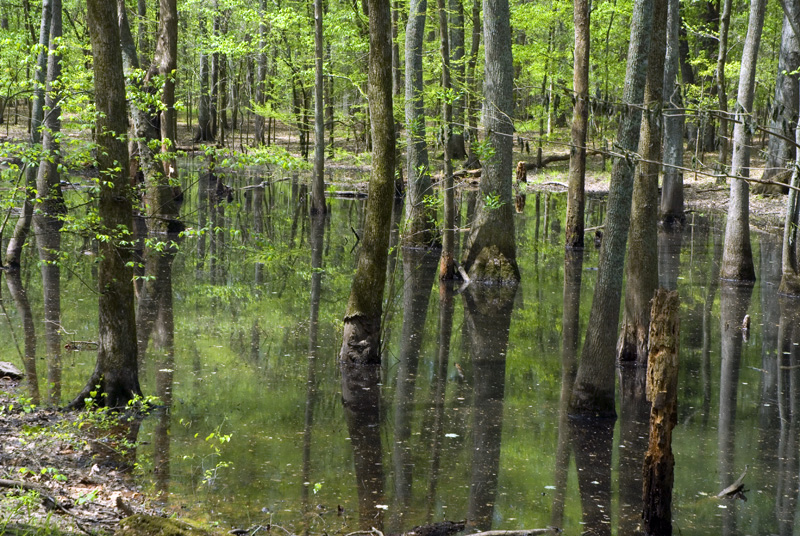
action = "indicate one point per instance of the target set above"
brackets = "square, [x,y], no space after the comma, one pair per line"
[736,488]
[662,387]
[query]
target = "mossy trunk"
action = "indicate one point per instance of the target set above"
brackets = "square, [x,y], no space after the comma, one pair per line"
[362,321]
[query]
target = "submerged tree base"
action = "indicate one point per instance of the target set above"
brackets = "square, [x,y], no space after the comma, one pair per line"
[361,341]
[491,266]
[589,402]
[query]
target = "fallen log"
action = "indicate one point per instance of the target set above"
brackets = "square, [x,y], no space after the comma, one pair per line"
[735,489]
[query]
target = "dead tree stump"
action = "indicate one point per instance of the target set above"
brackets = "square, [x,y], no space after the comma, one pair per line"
[662,392]
[522,172]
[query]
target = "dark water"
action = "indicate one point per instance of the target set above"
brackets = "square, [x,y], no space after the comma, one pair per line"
[465,419]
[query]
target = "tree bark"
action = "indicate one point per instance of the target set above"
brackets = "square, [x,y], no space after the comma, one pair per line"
[447,262]
[115,380]
[361,338]
[722,93]
[490,253]
[641,269]
[790,254]
[737,257]
[318,182]
[580,119]
[261,75]
[456,24]
[593,394]
[205,130]
[662,392]
[672,210]
[419,214]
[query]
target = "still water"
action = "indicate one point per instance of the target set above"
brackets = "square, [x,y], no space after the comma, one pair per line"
[465,420]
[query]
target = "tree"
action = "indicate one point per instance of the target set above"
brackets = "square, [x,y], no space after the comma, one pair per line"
[737,257]
[672,191]
[580,119]
[115,380]
[362,321]
[641,272]
[318,183]
[491,251]
[722,94]
[593,393]
[447,262]
[419,214]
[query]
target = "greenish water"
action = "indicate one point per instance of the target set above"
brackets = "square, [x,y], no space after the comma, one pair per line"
[476,433]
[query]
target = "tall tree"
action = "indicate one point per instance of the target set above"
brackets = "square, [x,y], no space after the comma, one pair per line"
[457,72]
[593,392]
[22,228]
[580,120]
[419,214]
[641,272]
[50,207]
[672,191]
[491,250]
[318,183]
[362,321]
[790,254]
[115,380]
[722,93]
[261,74]
[205,126]
[447,260]
[737,257]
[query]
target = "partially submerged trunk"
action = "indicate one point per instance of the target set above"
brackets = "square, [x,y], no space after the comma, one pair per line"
[491,252]
[737,257]
[362,321]
[593,394]
[115,380]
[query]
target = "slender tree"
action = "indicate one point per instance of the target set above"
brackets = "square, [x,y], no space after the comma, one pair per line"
[318,183]
[419,214]
[362,321]
[491,250]
[115,380]
[722,93]
[447,262]
[593,393]
[580,120]
[737,257]
[672,191]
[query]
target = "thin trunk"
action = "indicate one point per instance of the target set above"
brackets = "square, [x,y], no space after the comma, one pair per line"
[722,94]
[737,257]
[580,120]
[419,213]
[318,183]
[446,262]
[456,24]
[261,76]
[790,267]
[672,191]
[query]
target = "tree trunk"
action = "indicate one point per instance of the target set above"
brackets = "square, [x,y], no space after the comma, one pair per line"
[672,185]
[472,86]
[456,9]
[593,394]
[580,120]
[318,182]
[205,131]
[641,269]
[722,93]
[790,255]
[419,213]
[737,257]
[447,262]
[490,253]
[785,103]
[361,337]
[662,393]
[50,208]
[23,226]
[115,380]
[261,76]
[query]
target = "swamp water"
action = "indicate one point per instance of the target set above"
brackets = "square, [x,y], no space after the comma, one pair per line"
[465,419]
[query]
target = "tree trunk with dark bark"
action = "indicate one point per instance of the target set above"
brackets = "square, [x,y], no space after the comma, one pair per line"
[318,183]
[115,380]
[447,261]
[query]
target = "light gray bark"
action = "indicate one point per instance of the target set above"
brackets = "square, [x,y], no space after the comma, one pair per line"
[672,184]
[737,257]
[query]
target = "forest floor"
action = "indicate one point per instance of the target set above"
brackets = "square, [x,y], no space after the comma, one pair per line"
[55,475]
